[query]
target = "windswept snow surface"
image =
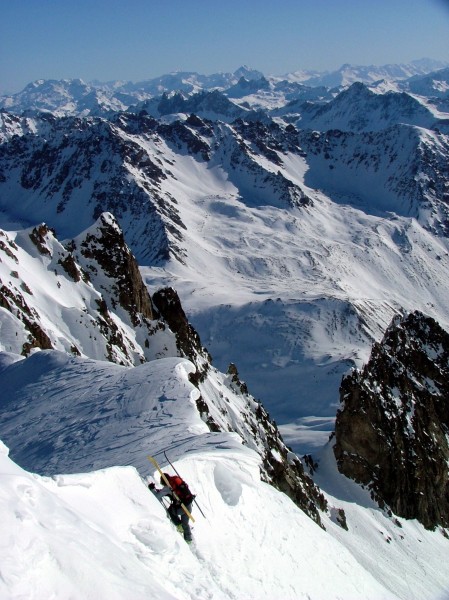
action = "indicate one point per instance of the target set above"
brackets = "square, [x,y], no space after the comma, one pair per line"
[102,534]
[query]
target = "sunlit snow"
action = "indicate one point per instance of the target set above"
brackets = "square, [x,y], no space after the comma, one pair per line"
[103,534]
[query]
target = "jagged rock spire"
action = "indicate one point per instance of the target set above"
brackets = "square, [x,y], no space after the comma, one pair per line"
[393,425]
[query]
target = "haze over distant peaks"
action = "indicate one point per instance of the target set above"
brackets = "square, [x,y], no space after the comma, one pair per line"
[74,96]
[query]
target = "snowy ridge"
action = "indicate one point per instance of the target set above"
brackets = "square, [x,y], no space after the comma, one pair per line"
[113,318]
[348,74]
[125,547]
[360,109]
[101,413]
[49,301]
[431,85]
[123,543]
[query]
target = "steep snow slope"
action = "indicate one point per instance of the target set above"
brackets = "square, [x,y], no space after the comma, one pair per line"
[68,300]
[382,543]
[103,534]
[401,171]
[101,413]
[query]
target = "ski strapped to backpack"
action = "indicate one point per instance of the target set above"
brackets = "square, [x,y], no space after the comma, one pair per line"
[173,467]
[167,483]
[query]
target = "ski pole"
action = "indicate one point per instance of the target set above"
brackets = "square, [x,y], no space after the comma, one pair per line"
[172,466]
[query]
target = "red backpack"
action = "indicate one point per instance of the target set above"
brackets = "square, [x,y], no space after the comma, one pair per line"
[180,488]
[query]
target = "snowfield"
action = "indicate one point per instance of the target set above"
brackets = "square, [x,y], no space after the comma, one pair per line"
[103,534]
[296,297]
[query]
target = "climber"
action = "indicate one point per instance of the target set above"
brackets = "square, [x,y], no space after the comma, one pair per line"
[180,495]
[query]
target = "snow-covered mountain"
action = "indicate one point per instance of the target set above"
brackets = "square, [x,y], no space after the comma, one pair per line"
[63,97]
[75,97]
[102,531]
[348,74]
[283,235]
[291,249]
[360,109]
[87,298]
[210,105]
[433,84]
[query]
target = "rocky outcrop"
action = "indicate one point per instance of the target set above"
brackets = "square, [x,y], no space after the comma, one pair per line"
[13,292]
[106,245]
[188,342]
[284,470]
[280,467]
[96,283]
[392,430]
[14,301]
[39,238]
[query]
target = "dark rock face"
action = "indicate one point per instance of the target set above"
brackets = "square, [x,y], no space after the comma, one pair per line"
[90,159]
[108,248]
[188,342]
[13,298]
[392,432]
[15,303]
[179,135]
[38,237]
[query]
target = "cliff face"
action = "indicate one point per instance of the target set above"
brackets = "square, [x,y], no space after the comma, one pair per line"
[169,306]
[105,245]
[392,430]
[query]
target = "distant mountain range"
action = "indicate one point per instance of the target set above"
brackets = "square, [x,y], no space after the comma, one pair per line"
[245,85]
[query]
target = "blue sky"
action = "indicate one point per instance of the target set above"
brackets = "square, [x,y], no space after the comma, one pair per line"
[140,39]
